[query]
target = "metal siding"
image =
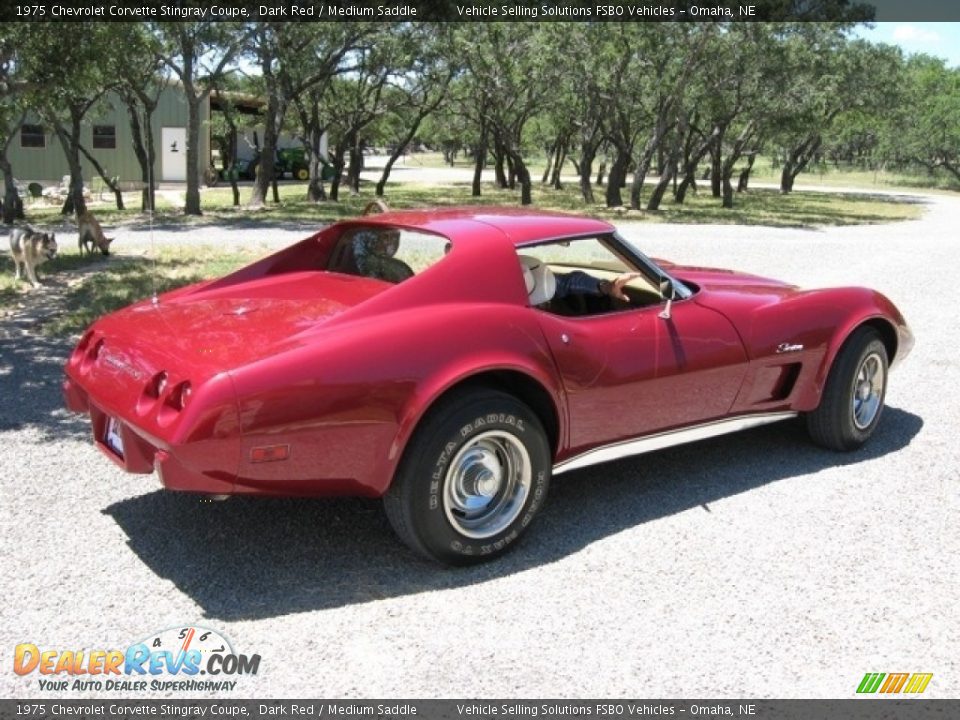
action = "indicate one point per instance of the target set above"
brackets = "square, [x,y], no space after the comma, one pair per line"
[48,165]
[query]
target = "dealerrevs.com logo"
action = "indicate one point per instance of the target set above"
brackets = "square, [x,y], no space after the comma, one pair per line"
[182,659]
[894,683]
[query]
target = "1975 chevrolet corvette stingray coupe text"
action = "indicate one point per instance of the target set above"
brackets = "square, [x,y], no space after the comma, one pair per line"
[444,360]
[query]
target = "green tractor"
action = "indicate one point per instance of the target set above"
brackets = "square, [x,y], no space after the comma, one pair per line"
[289,160]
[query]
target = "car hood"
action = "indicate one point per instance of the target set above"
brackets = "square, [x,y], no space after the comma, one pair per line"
[217,326]
[730,281]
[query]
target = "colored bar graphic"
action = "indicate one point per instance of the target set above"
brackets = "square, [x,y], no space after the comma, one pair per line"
[918,682]
[870,682]
[894,683]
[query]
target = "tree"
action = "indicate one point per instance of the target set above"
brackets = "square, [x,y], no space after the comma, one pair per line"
[12,114]
[502,59]
[139,72]
[297,63]
[830,76]
[198,54]
[66,81]
[353,103]
[426,70]
[926,129]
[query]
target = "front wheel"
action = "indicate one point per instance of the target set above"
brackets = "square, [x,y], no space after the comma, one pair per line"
[472,479]
[854,393]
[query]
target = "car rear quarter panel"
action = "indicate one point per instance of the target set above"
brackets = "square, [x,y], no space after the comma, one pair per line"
[348,401]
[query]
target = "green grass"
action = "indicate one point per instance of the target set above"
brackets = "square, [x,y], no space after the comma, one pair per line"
[826,174]
[121,281]
[756,207]
[92,292]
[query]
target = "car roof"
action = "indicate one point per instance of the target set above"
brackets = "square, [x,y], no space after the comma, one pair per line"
[522,226]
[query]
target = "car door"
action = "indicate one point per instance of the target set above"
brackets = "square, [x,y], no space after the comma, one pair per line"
[633,373]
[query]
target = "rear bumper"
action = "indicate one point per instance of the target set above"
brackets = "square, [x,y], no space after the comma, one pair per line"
[141,454]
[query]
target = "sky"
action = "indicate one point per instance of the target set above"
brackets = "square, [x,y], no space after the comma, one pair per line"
[941,39]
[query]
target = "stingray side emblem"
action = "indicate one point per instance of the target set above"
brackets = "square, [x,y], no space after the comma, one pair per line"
[788,348]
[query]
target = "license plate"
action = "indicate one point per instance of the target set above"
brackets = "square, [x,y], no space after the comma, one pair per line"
[112,438]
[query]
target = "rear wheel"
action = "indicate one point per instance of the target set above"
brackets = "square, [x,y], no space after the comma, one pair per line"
[853,395]
[474,475]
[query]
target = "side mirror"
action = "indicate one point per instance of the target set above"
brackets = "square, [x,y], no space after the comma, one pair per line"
[666,291]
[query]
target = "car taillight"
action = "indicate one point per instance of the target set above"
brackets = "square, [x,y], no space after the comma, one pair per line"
[157,384]
[88,355]
[179,396]
[78,352]
[84,341]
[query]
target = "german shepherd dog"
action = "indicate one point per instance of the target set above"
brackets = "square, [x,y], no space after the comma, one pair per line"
[90,235]
[30,249]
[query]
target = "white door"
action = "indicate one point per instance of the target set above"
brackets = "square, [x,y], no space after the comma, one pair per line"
[173,166]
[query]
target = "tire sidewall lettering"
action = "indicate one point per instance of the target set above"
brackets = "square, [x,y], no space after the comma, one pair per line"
[462,545]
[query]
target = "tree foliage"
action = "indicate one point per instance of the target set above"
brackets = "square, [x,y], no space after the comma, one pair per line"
[682,102]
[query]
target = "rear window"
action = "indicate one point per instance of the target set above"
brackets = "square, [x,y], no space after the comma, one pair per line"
[384,253]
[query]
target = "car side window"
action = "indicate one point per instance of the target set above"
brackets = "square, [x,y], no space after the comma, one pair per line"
[575,269]
[385,253]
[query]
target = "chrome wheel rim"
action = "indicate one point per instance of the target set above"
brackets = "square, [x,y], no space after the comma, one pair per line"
[868,391]
[487,484]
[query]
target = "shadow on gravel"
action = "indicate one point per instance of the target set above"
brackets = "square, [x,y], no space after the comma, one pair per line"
[31,371]
[253,558]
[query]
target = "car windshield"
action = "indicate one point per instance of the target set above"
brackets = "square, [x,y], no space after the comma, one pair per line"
[386,253]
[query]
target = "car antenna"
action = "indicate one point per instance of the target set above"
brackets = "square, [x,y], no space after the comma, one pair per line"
[151,201]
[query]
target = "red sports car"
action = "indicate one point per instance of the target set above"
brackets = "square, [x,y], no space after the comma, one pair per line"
[451,361]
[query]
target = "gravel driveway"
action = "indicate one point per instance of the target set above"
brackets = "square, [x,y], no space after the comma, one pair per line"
[753,564]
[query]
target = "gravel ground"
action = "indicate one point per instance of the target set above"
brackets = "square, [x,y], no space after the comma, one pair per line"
[753,564]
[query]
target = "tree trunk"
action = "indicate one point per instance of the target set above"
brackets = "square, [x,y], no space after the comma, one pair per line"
[744,180]
[716,167]
[601,171]
[587,153]
[727,189]
[356,165]
[479,160]
[797,160]
[523,175]
[667,174]
[551,152]
[109,182]
[690,164]
[144,154]
[192,203]
[312,140]
[74,202]
[315,190]
[727,168]
[230,166]
[267,164]
[688,181]
[10,196]
[394,156]
[558,167]
[499,159]
[617,178]
[338,164]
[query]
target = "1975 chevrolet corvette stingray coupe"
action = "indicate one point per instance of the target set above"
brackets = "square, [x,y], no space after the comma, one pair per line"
[451,361]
